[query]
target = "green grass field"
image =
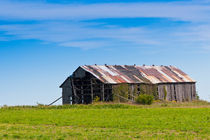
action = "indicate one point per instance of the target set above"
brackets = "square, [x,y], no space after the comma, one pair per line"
[107,121]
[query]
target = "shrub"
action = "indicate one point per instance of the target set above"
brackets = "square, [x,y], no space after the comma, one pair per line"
[96,99]
[144,99]
[164,105]
[197,96]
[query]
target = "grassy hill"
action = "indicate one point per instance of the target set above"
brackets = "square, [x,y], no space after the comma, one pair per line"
[107,121]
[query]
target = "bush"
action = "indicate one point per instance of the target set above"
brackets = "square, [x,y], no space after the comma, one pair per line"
[197,96]
[144,99]
[96,99]
[164,105]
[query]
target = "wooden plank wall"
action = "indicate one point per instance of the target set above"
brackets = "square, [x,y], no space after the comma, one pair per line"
[66,92]
[179,91]
[161,92]
[193,86]
[66,95]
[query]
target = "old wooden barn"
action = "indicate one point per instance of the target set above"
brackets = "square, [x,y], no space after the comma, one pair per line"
[125,82]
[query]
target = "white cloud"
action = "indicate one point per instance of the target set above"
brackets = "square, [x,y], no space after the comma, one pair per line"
[186,11]
[199,32]
[86,36]
[69,31]
[85,44]
[80,35]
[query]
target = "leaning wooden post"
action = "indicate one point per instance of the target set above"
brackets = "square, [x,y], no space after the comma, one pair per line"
[74,91]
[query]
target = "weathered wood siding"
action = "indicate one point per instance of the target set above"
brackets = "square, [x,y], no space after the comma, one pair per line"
[177,92]
[67,92]
[83,88]
[79,73]
[193,86]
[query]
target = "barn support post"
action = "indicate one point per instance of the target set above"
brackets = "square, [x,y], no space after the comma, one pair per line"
[132,92]
[102,88]
[174,92]
[55,101]
[193,91]
[108,93]
[74,91]
[82,92]
[128,92]
[91,90]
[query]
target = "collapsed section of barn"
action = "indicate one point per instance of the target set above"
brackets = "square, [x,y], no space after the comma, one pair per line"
[125,82]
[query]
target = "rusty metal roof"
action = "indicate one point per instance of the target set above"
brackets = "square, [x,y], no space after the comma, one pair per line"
[114,74]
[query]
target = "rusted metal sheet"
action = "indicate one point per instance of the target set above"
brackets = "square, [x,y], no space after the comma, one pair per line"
[115,74]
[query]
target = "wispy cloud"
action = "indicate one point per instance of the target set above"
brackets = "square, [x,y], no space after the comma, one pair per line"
[186,11]
[194,35]
[86,36]
[80,35]
[65,26]
[199,32]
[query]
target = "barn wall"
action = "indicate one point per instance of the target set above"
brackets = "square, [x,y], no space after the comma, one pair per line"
[79,73]
[177,91]
[193,94]
[67,95]
[66,92]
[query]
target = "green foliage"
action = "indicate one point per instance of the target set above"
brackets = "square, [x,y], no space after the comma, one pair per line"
[150,90]
[164,104]
[120,90]
[144,99]
[143,89]
[39,104]
[96,99]
[110,121]
[155,92]
[197,96]
[130,91]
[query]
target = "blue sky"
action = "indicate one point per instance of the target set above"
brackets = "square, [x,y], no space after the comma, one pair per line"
[44,41]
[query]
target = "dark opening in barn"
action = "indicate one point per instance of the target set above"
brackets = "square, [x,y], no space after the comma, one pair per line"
[125,82]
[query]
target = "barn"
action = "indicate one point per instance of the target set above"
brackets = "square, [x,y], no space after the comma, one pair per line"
[122,83]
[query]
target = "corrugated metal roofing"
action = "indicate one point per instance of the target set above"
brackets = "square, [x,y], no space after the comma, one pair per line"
[114,74]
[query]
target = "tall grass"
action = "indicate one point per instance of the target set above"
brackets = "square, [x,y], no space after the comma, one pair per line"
[110,105]
[105,121]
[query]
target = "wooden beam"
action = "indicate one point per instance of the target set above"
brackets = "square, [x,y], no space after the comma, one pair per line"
[74,91]
[91,88]
[123,98]
[102,92]
[82,92]
[55,101]
[132,92]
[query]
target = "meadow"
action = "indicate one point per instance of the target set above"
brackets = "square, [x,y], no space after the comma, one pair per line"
[107,121]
